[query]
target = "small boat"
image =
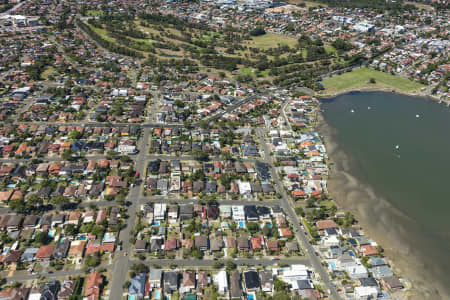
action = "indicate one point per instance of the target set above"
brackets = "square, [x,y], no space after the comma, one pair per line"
[368,107]
[352,111]
[417,116]
[397,147]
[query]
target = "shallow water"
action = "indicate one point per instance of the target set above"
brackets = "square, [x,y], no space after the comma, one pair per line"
[402,195]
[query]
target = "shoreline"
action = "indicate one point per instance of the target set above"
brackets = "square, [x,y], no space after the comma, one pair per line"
[377,216]
[376,89]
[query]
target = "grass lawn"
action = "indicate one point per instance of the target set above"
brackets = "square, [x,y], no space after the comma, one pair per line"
[103,33]
[270,40]
[307,3]
[49,71]
[330,49]
[208,37]
[254,72]
[420,5]
[94,13]
[246,71]
[360,78]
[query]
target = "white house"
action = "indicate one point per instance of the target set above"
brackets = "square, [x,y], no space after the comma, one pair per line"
[220,280]
[126,149]
[244,187]
[160,211]
[366,292]
[238,213]
[357,271]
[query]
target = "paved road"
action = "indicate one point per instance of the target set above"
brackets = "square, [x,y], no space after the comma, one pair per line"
[283,110]
[220,202]
[24,276]
[288,208]
[13,9]
[232,107]
[210,262]
[49,159]
[121,264]
[189,157]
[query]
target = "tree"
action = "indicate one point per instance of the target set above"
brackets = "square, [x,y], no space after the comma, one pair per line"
[349,220]
[179,103]
[98,230]
[196,253]
[92,261]
[198,175]
[139,268]
[42,238]
[252,227]
[217,265]
[279,285]
[17,205]
[200,155]
[60,200]
[75,135]
[70,229]
[372,80]
[257,31]
[230,266]
[299,211]
[67,154]
[266,230]
[226,155]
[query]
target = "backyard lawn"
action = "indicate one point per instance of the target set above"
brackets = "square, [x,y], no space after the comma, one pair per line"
[360,78]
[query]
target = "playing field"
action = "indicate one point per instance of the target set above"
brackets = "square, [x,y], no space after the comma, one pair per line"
[361,77]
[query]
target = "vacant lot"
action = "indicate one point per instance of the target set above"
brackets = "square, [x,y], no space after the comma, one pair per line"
[360,78]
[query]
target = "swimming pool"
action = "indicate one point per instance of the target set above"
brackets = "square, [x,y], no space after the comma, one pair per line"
[250,297]
[51,233]
[131,297]
[157,295]
[241,224]
[81,238]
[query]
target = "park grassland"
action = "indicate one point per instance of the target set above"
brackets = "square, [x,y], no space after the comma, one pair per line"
[360,78]
[271,40]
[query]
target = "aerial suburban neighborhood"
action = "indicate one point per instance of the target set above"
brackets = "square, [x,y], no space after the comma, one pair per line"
[169,149]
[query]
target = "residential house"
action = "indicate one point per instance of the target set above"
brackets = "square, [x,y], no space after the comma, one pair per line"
[235,285]
[188,282]
[154,278]
[170,281]
[93,285]
[137,286]
[67,289]
[61,249]
[140,246]
[251,281]
[44,253]
[50,291]
[266,281]
[201,242]
[221,281]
